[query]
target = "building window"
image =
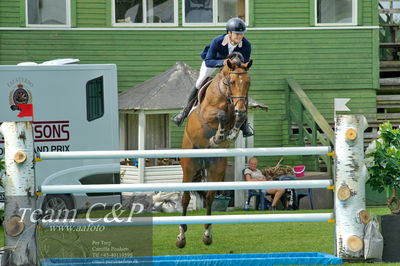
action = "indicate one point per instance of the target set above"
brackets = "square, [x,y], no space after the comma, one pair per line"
[336,12]
[48,13]
[213,12]
[95,98]
[145,12]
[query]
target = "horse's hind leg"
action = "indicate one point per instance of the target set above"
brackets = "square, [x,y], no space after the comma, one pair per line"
[216,173]
[190,167]
[207,237]
[181,239]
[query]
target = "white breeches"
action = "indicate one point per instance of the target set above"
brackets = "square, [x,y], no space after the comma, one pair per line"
[204,73]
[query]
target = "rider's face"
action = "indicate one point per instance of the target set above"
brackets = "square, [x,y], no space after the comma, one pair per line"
[235,37]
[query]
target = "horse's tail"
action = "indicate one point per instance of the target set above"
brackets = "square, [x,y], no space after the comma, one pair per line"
[202,194]
[200,177]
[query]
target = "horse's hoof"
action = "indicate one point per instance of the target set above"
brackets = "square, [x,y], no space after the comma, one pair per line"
[207,240]
[180,243]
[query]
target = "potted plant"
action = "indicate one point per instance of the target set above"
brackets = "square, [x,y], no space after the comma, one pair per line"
[383,163]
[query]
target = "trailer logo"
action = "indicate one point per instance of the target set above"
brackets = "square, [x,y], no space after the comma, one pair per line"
[19,95]
[51,131]
[46,131]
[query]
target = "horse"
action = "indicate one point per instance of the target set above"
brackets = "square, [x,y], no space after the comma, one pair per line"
[214,123]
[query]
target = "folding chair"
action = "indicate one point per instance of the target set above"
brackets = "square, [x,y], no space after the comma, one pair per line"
[262,203]
[299,195]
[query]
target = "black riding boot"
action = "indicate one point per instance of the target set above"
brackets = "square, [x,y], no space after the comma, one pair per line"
[246,129]
[178,119]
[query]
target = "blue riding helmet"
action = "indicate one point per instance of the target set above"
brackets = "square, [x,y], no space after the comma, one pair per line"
[236,25]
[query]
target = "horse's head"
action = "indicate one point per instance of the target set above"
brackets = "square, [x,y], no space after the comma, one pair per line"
[238,81]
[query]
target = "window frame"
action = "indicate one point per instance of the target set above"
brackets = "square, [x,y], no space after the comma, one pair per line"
[354,14]
[215,16]
[68,17]
[89,102]
[144,4]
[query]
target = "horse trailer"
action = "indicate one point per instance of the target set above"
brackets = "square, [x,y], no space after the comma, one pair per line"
[75,107]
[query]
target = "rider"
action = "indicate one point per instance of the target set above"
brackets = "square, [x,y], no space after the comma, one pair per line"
[214,56]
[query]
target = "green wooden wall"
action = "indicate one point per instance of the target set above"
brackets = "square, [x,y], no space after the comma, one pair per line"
[263,13]
[327,63]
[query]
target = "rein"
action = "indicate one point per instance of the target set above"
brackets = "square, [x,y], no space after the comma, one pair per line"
[238,73]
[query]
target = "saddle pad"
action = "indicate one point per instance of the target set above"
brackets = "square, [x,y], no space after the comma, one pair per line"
[201,93]
[203,89]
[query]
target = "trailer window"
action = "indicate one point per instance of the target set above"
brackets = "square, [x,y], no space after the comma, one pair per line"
[101,179]
[95,98]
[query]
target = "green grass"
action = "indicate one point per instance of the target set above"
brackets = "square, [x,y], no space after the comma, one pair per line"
[246,238]
[256,237]
[227,238]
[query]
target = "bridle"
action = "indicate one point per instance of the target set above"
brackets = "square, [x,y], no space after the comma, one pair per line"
[229,97]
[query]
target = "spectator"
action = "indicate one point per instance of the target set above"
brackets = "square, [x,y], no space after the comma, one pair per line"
[251,173]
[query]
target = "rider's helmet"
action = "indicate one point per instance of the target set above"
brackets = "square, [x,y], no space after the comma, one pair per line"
[236,25]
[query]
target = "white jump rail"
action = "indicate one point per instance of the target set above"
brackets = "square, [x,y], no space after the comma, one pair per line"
[201,186]
[214,219]
[173,153]
[350,211]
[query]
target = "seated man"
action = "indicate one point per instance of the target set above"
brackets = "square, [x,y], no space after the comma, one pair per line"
[251,173]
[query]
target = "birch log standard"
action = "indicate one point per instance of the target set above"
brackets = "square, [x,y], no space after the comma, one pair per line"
[19,185]
[351,174]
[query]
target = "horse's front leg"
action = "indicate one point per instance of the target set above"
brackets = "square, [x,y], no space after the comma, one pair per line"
[220,135]
[234,132]
[207,238]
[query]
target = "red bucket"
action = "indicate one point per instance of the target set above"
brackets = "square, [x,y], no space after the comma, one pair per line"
[299,170]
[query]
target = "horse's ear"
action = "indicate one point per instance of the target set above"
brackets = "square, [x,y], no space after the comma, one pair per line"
[229,63]
[248,64]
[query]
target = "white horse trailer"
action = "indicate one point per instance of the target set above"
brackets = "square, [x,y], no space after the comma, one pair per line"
[74,108]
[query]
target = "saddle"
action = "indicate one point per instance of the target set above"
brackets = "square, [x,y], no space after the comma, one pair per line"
[201,94]
[202,90]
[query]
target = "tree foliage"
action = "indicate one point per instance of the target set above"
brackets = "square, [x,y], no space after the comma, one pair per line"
[383,162]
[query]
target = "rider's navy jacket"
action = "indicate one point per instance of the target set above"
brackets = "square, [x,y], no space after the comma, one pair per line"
[216,52]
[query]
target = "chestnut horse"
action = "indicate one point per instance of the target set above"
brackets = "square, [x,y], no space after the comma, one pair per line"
[214,123]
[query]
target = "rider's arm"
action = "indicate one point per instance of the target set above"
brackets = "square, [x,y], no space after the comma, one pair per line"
[249,178]
[246,51]
[211,56]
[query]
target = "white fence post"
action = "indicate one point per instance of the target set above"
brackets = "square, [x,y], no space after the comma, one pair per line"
[19,185]
[350,173]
